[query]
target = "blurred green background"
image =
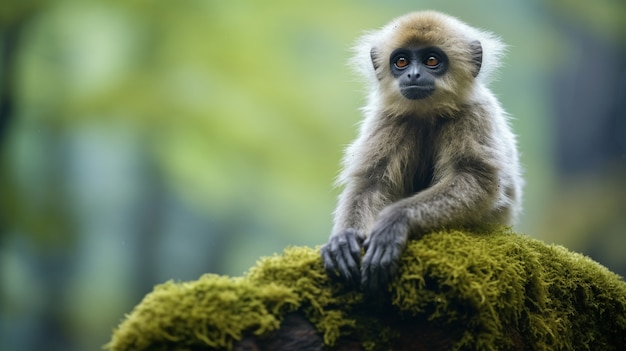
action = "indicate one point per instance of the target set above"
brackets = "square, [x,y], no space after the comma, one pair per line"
[142,141]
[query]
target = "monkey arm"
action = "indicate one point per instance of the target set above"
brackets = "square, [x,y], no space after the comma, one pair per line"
[463,193]
[459,200]
[365,194]
[358,206]
[463,198]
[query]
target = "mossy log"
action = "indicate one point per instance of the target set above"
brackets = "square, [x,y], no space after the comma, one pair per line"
[455,290]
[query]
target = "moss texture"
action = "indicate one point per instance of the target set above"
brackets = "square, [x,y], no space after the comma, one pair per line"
[491,289]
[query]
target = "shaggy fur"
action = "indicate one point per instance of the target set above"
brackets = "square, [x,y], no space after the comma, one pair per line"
[448,160]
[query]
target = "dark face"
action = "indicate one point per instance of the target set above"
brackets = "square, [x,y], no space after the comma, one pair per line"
[416,70]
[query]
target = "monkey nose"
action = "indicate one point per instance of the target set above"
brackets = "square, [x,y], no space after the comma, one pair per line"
[413,75]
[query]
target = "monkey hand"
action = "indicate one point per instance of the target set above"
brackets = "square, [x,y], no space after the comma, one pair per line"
[342,254]
[383,249]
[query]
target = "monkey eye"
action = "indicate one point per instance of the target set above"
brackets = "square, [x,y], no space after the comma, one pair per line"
[401,62]
[432,62]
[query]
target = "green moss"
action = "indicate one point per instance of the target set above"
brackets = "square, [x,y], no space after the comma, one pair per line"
[482,285]
[211,311]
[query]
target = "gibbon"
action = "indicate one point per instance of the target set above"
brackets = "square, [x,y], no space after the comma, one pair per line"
[434,150]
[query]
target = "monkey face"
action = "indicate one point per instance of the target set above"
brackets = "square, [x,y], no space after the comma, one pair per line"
[425,63]
[416,70]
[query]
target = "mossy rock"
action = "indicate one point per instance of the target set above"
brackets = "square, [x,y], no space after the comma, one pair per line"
[485,291]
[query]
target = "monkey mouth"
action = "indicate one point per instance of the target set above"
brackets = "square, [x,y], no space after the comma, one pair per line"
[416,92]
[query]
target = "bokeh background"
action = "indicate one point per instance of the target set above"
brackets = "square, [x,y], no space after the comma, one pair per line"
[142,141]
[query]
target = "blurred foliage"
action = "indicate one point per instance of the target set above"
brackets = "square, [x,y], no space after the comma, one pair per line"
[150,140]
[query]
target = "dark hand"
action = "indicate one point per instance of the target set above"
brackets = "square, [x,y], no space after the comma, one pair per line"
[342,254]
[382,251]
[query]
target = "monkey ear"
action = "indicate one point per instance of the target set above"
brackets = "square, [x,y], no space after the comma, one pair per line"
[477,56]
[375,63]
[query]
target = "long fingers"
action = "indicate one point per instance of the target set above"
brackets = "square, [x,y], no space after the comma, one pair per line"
[371,269]
[342,255]
[382,253]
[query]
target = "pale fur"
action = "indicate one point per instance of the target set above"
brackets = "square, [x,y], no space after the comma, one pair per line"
[461,134]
